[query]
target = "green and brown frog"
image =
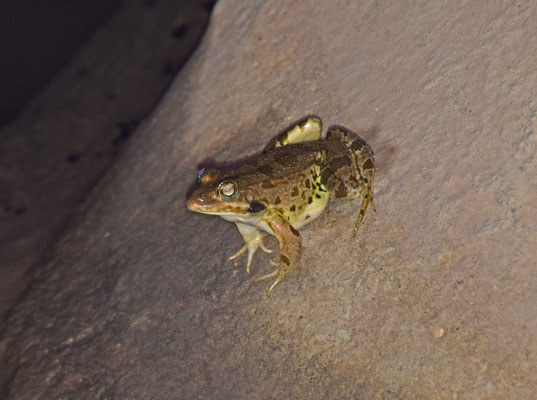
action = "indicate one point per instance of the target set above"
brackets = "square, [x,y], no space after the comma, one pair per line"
[286,187]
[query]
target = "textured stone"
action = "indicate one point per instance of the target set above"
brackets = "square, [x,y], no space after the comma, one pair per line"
[138,302]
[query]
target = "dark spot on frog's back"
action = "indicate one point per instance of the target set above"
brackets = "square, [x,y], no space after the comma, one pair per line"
[369,164]
[267,185]
[357,144]
[278,200]
[339,162]
[292,208]
[326,174]
[341,190]
[333,131]
[265,169]
[294,193]
[307,183]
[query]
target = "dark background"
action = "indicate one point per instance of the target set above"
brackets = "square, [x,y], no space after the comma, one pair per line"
[38,38]
[76,80]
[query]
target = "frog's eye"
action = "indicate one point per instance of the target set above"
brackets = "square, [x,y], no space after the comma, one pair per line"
[228,190]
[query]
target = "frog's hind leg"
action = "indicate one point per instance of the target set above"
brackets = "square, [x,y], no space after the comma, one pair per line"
[366,200]
[357,181]
[365,160]
[253,238]
[305,130]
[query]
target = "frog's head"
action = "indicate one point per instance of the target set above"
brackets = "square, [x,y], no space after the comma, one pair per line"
[224,196]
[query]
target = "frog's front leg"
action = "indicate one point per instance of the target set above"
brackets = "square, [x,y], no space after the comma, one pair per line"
[290,249]
[253,238]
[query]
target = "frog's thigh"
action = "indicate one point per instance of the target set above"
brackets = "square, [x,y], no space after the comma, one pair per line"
[305,130]
[253,238]
[365,163]
[290,251]
[351,171]
[350,185]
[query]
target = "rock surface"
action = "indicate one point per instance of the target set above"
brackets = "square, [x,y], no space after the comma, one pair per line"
[71,132]
[436,299]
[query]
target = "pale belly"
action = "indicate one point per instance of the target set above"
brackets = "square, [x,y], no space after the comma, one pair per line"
[309,212]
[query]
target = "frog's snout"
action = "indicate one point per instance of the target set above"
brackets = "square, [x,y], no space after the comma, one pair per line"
[196,204]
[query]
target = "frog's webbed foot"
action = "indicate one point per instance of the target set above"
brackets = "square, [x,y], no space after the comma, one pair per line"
[290,245]
[304,130]
[273,274]
[252,247]
[253,239]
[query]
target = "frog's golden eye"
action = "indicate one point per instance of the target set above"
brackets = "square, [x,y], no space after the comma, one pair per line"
[228,190]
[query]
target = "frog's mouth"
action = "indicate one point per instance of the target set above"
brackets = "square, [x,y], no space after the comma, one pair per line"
[204,207]
[208,204]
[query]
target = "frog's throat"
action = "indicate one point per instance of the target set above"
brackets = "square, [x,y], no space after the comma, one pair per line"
[250,219]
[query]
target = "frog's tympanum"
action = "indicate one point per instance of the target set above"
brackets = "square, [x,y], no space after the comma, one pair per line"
[287,186]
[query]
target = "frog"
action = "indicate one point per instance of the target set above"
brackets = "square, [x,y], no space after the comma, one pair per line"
[287,186]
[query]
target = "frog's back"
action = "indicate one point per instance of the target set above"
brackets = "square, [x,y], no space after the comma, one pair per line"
[275,164]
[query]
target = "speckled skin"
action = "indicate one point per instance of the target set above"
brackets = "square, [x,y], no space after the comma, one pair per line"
[286,187]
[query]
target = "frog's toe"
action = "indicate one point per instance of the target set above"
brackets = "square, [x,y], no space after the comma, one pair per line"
[265,249]
[238,253]
[253,238]
[366,201]
[252,248]
[274,274]
[358,221]
[251,253]
[276,281]
[267,276]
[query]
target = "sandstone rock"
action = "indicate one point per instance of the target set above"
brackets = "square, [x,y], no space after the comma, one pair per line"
[138,302]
